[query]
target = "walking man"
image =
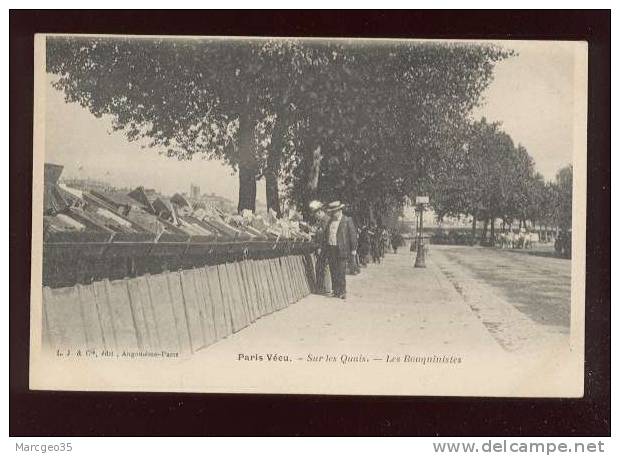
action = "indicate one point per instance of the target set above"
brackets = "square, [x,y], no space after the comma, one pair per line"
[341,242]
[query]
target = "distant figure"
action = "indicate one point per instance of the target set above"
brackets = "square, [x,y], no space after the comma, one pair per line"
[563,243]
[341,244]
[385,244]
[503,240]
[522,235]
[363,246]
[382,239]
[512,240]
[397,241]
[353,263]
[376,239]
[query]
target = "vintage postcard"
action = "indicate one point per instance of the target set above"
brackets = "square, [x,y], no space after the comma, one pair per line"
[309,216]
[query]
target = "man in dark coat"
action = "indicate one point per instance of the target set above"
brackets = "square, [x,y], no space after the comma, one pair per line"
[340,244]
[397,240]
[321,220]
[363,247]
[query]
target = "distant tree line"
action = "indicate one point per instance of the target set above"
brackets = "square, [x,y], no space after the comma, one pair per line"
[490,179]
[369,124]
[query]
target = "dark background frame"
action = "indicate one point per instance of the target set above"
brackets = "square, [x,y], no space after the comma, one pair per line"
[40,413]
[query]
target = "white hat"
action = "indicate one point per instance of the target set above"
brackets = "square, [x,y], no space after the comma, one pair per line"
[334,206]
[315,205]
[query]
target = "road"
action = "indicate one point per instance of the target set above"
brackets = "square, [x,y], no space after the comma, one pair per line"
[537,285]
[522,299]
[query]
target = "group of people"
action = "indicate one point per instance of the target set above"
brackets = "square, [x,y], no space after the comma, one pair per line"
[524,239]
[344,248]
[374,241]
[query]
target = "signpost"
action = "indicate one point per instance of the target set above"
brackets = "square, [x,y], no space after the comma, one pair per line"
[420,260]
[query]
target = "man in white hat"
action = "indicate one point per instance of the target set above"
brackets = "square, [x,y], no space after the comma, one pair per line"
[341,243]
[321,220]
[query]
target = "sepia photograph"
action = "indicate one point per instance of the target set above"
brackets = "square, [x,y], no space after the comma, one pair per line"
[309,215]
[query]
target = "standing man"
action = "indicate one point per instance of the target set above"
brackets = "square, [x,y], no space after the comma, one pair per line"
[341,243]
[320,222]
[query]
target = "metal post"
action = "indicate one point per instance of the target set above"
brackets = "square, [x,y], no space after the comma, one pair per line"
[420,260]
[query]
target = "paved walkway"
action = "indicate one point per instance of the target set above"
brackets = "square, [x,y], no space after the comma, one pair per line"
[390,308]
[395,313]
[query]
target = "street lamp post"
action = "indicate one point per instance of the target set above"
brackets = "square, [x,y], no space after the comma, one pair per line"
[420,259]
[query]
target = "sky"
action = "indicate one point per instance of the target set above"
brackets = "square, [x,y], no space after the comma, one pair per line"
[532,95]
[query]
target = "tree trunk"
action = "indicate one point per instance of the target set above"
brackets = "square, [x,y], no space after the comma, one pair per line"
[274,161]
[492,231]
[364,211]
[473,230]
[272,193]
[247,189]
[484,230]
[314,170]
[312,166]
[248,167]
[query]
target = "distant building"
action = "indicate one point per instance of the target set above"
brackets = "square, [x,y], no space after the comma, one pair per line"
[89,184]
[223,204]
[194,191]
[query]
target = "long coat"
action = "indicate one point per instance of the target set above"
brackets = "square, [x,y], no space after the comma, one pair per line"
[363,242]
[319,234]
[346,237]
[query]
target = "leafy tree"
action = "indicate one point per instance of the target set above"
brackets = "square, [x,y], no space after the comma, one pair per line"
[189,96]
[536,199]
[563,212]
[488,177]
[388,114]
[337,119]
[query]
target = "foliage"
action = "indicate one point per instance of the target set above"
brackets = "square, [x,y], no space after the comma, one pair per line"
[489,177]
[368,124]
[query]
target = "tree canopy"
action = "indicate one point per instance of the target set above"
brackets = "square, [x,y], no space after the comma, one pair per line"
[488,177]
[368,123]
